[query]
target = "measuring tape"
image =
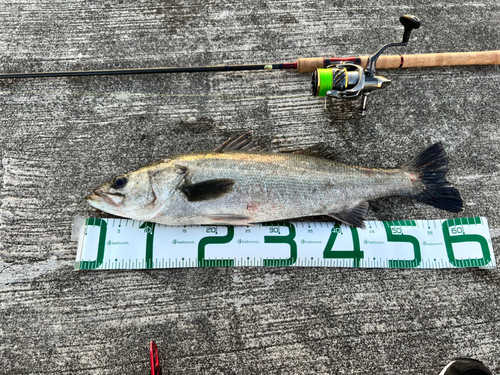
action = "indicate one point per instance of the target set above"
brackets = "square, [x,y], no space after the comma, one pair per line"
[106,244]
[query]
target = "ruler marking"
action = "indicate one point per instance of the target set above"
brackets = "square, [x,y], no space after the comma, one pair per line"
[318,235]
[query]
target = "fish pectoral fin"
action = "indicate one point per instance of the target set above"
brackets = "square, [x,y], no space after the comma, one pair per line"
[207,190]
[353,216]
[230,219]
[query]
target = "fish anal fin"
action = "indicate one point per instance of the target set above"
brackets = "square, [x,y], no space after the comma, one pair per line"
[319,150]
[353,216]
[242,142]
[207,190]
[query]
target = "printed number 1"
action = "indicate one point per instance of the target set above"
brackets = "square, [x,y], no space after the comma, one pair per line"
[149,229]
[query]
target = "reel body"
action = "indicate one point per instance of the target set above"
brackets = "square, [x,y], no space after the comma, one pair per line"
[347,80]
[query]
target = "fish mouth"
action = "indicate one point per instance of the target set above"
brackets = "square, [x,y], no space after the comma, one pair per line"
[100,197]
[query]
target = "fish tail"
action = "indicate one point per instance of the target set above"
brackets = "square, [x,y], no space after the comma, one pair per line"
[428,170]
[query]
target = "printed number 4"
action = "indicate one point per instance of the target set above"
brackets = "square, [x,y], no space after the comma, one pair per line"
[356,254]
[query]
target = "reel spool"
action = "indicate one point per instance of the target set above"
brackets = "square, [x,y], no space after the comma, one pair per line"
[347,80]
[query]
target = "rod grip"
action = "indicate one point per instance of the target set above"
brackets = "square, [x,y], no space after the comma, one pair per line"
[309,64]
[436,59]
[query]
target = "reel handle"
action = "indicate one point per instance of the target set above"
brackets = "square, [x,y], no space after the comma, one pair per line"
[409,22]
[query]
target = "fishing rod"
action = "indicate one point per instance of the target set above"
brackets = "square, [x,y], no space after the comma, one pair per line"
[335,77]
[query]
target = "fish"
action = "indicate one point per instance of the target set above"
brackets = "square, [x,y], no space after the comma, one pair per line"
[241,183]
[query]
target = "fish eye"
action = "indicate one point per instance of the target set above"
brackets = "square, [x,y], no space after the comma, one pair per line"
[119,182]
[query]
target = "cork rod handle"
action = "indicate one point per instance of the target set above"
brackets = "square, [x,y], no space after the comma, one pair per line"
[306,65]
[436,59]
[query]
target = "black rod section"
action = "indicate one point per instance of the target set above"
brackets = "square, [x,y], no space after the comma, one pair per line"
[214,68]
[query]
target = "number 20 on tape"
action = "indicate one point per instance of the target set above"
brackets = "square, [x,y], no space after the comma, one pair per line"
[129,244]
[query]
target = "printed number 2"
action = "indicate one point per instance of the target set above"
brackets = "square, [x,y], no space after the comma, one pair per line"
[356,254]
[395,234]
[202,262]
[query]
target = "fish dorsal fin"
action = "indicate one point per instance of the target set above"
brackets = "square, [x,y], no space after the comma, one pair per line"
[319,150]
[242,142]
[207,190]
[353,216]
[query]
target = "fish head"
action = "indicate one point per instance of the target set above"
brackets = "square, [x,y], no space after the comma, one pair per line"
[140,194]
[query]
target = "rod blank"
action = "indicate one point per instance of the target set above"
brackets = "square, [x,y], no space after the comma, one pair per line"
[302,65]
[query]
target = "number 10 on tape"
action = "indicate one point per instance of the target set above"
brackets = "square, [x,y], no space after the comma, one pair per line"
[129,244]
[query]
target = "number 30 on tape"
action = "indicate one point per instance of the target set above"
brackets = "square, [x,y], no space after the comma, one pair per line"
[129,244]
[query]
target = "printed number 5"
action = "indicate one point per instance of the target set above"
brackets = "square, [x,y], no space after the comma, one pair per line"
[395,234]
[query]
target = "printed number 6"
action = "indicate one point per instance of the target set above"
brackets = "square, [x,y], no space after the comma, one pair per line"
[459,237]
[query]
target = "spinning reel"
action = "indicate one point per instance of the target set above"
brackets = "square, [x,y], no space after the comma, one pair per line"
[347,80]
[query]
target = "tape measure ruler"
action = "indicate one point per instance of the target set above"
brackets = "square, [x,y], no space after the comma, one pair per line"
[105,244]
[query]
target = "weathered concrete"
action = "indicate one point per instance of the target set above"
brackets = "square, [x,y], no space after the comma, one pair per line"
[61,137]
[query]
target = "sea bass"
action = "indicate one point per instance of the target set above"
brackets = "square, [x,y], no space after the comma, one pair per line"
[240,183]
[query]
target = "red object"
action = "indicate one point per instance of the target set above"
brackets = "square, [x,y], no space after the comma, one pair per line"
[154,360]
[289,65]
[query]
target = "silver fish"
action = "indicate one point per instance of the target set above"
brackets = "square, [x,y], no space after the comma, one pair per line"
[239,183]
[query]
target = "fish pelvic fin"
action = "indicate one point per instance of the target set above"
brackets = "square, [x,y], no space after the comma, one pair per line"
[428,170]
[229,219]
[354,217]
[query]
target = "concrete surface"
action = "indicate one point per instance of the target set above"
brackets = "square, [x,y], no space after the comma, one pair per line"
[60,137]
